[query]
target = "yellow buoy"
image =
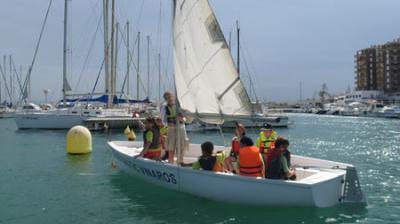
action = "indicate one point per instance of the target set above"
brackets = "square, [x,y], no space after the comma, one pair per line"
[79,140]
[127,130]
[132,136]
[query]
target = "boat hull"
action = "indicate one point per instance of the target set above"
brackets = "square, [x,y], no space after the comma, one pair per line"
[318,189]
[257,122]
[46,121]
[7,114]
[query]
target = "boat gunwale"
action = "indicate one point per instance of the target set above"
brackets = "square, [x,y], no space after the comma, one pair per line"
[234,177]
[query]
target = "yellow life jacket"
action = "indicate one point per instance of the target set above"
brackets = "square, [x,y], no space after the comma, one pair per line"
[265,143]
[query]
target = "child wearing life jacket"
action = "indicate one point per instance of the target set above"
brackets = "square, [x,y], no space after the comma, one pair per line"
[278,161]
[250,161]
[240,131]
[151,140]
[209,161]
[163,136]
[266,139]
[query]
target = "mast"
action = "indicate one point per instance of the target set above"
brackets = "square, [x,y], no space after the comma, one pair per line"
[65,51]
[138,69]
[106,50]
[20,72]
[5,74]
[114,78]
[11,80]
[148,67]
[0,86]
[128,58]
[238,46]
[159,77]
[112,42]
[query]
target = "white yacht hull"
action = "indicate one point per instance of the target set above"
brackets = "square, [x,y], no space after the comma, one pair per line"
[65,118]
[46,121]
[317,188]
[258,121]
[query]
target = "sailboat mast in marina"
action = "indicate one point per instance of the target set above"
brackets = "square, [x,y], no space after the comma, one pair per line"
[94,117]
[66,87]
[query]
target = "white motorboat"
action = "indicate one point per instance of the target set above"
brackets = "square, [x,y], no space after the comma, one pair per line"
[391,111]
[320,183]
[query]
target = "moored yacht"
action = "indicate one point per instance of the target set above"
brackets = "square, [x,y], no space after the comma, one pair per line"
[31,116]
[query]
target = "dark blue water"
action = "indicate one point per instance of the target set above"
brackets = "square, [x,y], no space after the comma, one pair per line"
[40,183]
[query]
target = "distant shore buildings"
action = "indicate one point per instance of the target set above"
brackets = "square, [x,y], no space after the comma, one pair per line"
[378,68]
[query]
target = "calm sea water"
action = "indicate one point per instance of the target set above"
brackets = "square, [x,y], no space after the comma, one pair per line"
[40,183]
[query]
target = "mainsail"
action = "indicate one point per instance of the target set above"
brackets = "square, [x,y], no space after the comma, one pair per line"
[206,79]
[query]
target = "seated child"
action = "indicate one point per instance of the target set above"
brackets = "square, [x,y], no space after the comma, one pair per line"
[208,161]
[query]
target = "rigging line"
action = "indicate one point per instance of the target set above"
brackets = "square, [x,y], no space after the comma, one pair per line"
[83,39]
[97,79]
[89,52]
[126,74]
[249,76]
[131,52]
[222,134]
[155,58]
[5,82]
[252,67]
[37,47]
[132,61]
[159,28]
[164,67]
[139,16]
[119,46]
[18,79]
[101,68]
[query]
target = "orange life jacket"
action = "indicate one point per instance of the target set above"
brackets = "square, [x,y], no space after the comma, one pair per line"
[251,163]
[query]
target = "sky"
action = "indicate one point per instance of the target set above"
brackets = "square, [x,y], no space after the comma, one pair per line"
[284,43]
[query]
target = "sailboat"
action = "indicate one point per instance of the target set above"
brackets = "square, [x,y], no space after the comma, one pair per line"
[208,87]
[65,117]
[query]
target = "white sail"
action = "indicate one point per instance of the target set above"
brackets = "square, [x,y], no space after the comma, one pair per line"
[206,79]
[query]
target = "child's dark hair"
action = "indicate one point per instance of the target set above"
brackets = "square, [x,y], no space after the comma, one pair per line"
[167,94]
[281,142]
[150,120]
[246,141]
[207,147]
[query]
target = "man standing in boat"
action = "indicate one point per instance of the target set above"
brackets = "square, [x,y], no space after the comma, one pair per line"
[176,137]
